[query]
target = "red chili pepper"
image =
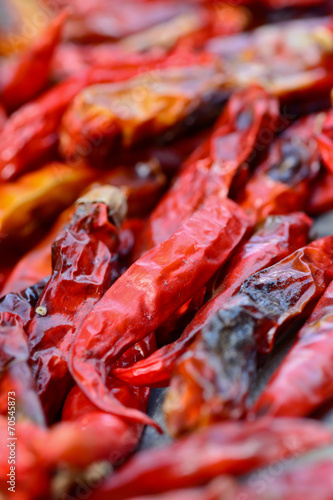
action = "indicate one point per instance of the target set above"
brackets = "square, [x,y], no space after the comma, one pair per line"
[3,117]
[282,183]
[213,166]
[276,238]
[25,78]
[152,289]
[231,447]
[84,265]
[303,380]
[127,114]
[213,380]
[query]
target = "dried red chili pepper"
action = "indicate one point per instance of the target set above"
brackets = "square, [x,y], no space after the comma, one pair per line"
[84,266]
[282,183]
[303,380]
[213,166]
[171,274]
[277,237]
[86,434]
[24,79]
[213,380]
[231,447]
[30,135]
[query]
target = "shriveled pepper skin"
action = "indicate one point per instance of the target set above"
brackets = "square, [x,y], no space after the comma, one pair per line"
[276,238]
[25,78]
[283,182]
[169,97]
[153,288]
[231,447]
[213,166]
[84,266]
[212,381]
[303,381]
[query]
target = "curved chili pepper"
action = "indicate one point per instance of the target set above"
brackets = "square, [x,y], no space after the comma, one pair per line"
[24,79]
[84,265]
[303,380]
[213,166]
[213,380]
[46,192]
[277,237]
[230,447]
[152,289]
[282,184]
[141,108]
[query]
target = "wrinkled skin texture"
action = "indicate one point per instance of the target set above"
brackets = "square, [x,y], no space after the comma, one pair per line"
[84,266]
[220,449]
[283,182]
[275,239]
[24,79]
[213,167]
[213,382]
[143,108]
[152,289]
[303,380]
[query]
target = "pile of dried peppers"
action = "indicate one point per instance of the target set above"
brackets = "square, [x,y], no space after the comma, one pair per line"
[164,169]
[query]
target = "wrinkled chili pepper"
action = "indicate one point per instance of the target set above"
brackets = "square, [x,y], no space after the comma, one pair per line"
[231,447]
[46,192]
[152,289]
[213,166]
[24,79]
[283,182]
[30,135]
[303,380]
[130,113]
[212,382]
[276,238]
[84,266]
